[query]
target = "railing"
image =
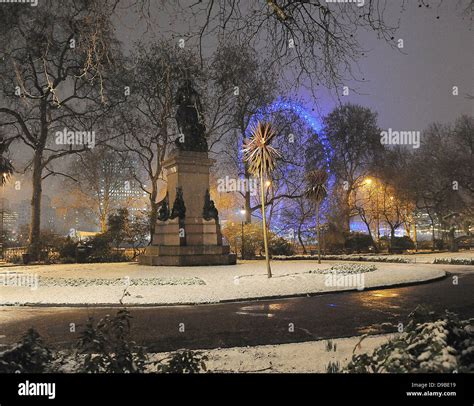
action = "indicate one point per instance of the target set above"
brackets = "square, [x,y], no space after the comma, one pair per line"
[14,254]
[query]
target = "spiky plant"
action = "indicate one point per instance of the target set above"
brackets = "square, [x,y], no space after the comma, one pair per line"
[316,191]
[6,170]
[261,159]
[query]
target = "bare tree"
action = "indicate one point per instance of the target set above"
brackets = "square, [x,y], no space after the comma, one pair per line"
[103,177]
[148,119]
[56,63]
[314,42]
[356,151]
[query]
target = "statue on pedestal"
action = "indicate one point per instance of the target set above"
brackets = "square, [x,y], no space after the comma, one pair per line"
[190,120]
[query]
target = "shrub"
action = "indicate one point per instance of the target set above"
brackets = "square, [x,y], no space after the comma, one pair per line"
[454,261]
[352,257]
[400,244]
[183,362]
[357,242]
[428,344]
[103,347]
[29,355]
[98,247]
[279,246]
[253,240]
[15,259]
[439,244]
[107,347]
[67,249]
[334,239]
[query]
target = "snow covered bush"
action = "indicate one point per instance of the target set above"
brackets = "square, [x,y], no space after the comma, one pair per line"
[347,269]
[91,282]
[183,362]
[352,268]
[29,355]
[353,257]
[106,347]
[103,347]
[428,344]
[454,261]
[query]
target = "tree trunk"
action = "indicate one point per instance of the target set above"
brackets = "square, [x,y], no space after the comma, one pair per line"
[319,232]
[265,238]
[369,231]
[392,236]
[103,223]
[248,213]
[346,212]
[433,237]
[153,219]
[35,226]
[301,239]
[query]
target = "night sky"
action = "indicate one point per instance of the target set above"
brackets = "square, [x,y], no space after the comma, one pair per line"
[409,89]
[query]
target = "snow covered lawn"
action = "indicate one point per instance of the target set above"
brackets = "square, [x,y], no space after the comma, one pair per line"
[311,356]
[75,284]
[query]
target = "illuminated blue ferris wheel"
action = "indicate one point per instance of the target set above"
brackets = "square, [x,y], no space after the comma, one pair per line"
[309,119]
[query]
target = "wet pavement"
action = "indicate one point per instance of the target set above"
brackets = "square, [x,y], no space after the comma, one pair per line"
[252,323]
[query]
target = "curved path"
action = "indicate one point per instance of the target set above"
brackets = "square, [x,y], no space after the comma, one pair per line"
[256,322]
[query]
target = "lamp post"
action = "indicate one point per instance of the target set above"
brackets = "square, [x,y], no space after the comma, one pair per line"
[4,179]
[372,186]
[243,212]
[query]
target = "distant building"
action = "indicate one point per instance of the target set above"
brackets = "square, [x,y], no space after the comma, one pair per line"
[23,210]
[9,219]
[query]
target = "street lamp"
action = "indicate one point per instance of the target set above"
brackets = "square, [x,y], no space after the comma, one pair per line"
[243,212]
[4,180]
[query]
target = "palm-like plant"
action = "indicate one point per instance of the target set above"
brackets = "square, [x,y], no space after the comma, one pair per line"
[6,170]
[261,158]
[6,167]
[316,191]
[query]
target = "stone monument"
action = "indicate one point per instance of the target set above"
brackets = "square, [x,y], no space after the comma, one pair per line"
[187,231]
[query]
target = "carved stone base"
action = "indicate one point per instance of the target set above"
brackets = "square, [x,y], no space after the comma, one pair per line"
[193,240]
[190,255]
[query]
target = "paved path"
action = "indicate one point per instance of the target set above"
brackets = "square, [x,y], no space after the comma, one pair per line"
[257,322]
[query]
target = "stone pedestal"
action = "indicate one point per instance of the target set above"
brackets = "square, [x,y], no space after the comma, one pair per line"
[192,240]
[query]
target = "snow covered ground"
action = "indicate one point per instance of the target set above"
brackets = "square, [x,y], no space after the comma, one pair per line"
[75,284]
[311,356]
[465,257]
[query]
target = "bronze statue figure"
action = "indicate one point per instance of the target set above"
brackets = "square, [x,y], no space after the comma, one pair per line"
[164,212]
[209,210]
[179,209]
[190,120]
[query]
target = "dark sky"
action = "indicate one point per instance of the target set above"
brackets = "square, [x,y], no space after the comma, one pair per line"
[409,90]
[413,89]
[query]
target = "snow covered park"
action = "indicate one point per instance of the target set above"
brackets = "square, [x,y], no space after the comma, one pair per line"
[307,357]
[134,284]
